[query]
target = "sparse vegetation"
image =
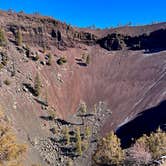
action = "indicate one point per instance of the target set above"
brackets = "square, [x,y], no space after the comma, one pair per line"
[19,37]
[27,51]
[79,142]
[69,162]
[88,59]
[36,57]
[4,60]
[109,151]
[87,132]
[61,60]
[138,154]
[83,108]
[52,113]
[11,151]
[7,82]
[37,85]
[155,143]
[2,37]
[49,59]
[66,135]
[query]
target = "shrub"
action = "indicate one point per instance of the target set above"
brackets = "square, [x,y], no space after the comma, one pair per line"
[10,150]
[27,51]
[138,154]
[36,58]
[155,142]
[88,59]
[69,162]
[49,59]
[87,131]
[83,108]
[2,37]
[1,66]
[52,114]
[7,82]
[79,142]
[61,60]
[4,60]
[37,85]
[109,151]
[19,38]
[66,135]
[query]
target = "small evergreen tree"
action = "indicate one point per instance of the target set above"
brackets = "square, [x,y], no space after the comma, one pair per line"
[19,38]
[87,132]
[79,142]
[52,114]
[37,85]
[2,37]
[109,151]
[10,150]
[66,135]
[61,61]
[49,59]
[83,108]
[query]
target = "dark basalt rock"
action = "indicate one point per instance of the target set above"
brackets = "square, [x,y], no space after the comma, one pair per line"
[154,41]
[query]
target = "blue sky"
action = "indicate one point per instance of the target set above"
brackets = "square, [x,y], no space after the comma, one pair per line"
[102,13]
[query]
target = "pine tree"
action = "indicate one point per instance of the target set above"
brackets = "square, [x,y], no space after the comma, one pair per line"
[37,85]
[49,59]
[66,135]
[87,132]
[109,151]
[79,142]
[19,38]
[83,108]
[10,150]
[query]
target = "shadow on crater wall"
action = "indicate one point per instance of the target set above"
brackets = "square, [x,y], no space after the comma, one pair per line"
[145,123]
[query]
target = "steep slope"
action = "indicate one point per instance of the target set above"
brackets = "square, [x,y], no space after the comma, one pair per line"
[128,81]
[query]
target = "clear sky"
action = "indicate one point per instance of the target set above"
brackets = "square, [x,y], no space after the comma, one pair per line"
[102,13]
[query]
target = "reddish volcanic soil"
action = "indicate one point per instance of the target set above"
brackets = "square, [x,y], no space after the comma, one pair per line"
[129,82]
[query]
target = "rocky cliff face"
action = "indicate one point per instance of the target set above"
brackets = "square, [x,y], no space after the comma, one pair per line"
[125,71]
[152,41]
[43,31]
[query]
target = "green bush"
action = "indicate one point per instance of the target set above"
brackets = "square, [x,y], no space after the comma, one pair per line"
[109,151]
